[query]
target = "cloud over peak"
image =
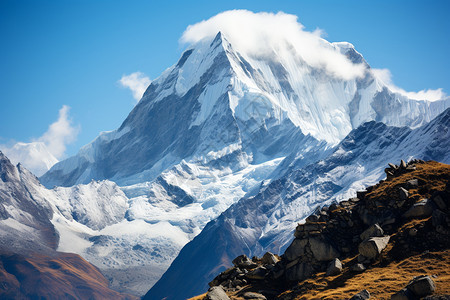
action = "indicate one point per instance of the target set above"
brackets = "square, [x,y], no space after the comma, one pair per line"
[385,76]
[60,133]
[137,82]
[262,33]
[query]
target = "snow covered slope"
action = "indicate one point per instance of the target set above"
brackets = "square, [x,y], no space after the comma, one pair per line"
[265,222]
[21,214]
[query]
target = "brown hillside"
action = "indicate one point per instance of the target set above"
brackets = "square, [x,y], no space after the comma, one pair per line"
[63,276]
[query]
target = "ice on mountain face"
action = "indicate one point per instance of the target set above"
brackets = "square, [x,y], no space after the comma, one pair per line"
[95,205]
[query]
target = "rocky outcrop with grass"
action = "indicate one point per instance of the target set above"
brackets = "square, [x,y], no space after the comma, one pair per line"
[392,240]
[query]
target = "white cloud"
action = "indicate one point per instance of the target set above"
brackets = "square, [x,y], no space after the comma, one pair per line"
[261,33]
[42,153]
[60,134]
[385,76]
[137,82]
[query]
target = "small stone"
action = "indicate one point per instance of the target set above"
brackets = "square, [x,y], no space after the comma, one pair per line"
[243,261]
[411,168]
[413,183]
[256,296]
[354,200]
[403,193]
[392,166]
[372,247]
[257,274]
[373,231]
[412,232]
[334,267]
[363,295]
[216,293]
[358,268]
[422,286]
[402,164]
[344,203]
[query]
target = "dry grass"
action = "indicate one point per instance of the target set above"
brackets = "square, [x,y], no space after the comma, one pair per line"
[382,282]
[432,175]
[200,297]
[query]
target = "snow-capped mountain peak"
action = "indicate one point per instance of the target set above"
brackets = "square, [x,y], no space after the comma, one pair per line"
[214,128]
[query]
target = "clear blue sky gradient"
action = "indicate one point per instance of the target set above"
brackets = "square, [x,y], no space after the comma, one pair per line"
[73,52]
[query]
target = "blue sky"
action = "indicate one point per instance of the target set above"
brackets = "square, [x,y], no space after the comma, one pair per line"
[73,53]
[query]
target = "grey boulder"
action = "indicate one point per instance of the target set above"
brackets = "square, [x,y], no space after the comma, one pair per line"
[243,261]
[334,267]
[421,209]
[216,293]
[422,286]
[269,259]
[372,247]
[373,231]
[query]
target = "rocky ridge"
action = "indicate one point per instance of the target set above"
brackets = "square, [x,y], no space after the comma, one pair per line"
[399,219]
